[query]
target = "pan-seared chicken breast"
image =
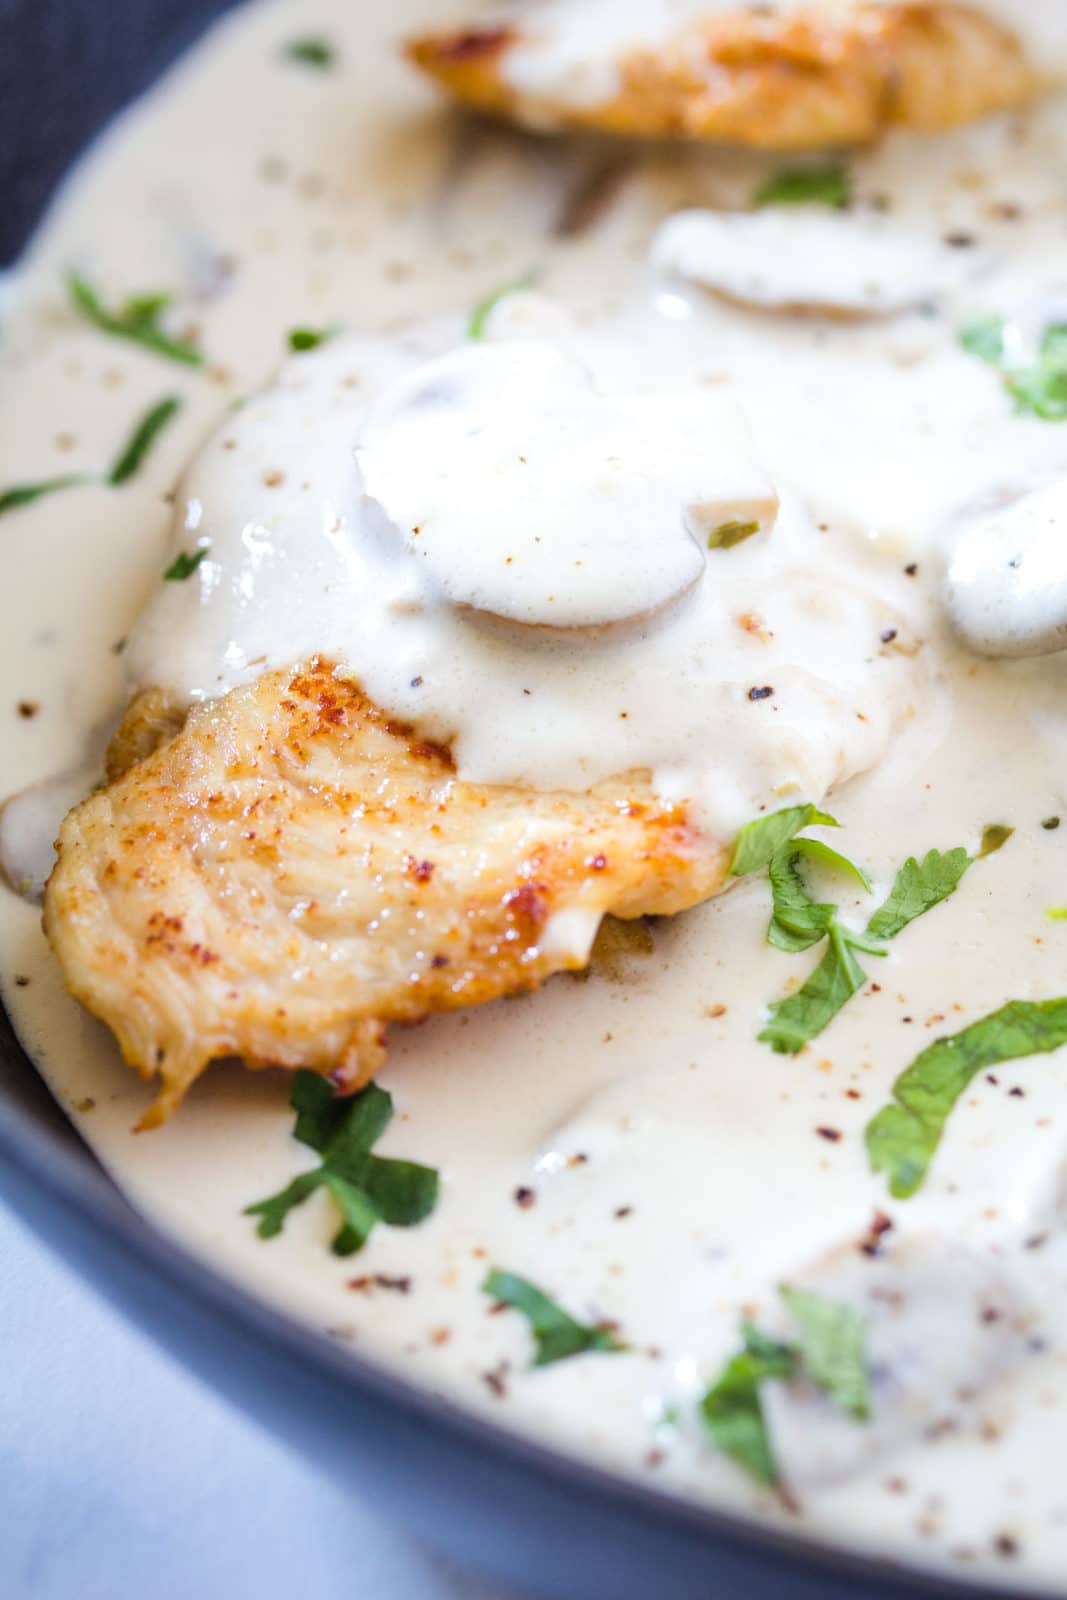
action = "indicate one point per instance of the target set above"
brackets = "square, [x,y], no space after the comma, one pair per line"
[787,76]
[292,871]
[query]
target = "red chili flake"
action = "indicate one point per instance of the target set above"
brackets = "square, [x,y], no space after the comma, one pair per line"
[912,569]
[1005,1545]
[889,635]
[761,694]
[880,1225]
[624,1211]
[833,1134]
[473,43]
[525,1197]
[596,863]
[496,1380]
[439,961]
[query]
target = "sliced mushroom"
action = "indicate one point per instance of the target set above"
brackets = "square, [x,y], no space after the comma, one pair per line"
[533,498]
[811,260]
[1007,577]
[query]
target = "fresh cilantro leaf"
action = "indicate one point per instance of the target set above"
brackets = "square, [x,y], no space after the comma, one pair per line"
[1041,389]
[185,563]
[827,856]
[759,841]
[918,887]
[798,921]
[314,52]
[403,1192]
[733,1410]
[273,1211]
[138,320]
[24,494]
[985,339]
[807,186]
[367,1188]
[304,339]
[357,1209]
[832,1349]
[478,326]
[142,439]
[556,1335]
[830,1353]
[729,534]
[319,1112]
[994,838]
[799,1018]
[903,1138]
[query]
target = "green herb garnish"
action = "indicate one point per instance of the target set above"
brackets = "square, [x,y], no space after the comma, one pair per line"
[142,439]
[556,1334]
[918,887]
[728,534]
[304,339]
[478,326]
[758,842]
[806,186]
[994,838]
[137,319]
[1039,390]
[903,1138]
[24,494]
[832,1349]
[985,339]
[829,1353]
[366,1188]
[798,921]
[125,466]
[185,564]
[315,52]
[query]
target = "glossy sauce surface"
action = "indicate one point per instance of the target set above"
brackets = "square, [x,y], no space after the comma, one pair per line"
[626,1142]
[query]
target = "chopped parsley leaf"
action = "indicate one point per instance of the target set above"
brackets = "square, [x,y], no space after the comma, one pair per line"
[304,339]
[832,1349]
[829,1353]
[131,458]
[556,1334]
[903,1138]
[185,563]
[798,921]
[807,186]
[138,320]
[24,494]
[918,887]
[366,1188]
[759,841]
[994,838]
[801,1017]
[314,51]
[478,326]
[1040,389]
[985,339]
[729,534]
[142,439]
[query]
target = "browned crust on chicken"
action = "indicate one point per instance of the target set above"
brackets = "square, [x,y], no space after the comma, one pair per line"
[292,871]
[810,77]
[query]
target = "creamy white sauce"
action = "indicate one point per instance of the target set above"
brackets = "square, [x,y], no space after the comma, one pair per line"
[706,1180]
[528,578]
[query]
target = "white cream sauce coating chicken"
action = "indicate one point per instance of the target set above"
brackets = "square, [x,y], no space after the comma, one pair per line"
[626,1142]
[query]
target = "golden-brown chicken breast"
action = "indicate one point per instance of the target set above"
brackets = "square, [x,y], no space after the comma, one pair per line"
[292,871]
[780,77]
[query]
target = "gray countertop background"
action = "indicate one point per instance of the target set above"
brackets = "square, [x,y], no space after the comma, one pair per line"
[123,1478]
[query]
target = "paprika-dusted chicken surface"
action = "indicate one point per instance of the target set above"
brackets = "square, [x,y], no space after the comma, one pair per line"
[788,77]
[292,871]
